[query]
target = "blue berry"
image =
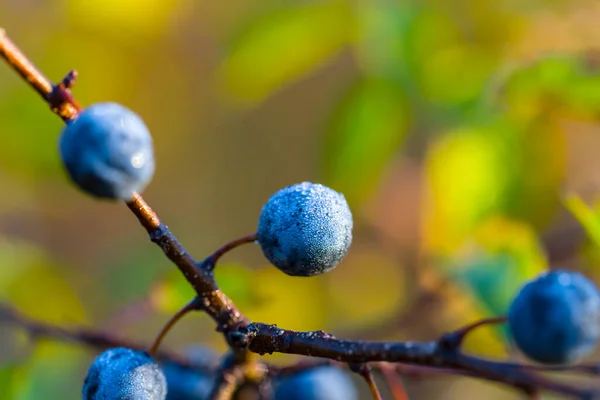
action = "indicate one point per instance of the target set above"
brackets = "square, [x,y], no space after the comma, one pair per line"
[195,382]
[185,383]
[322,383]
[555,318]
[107,151]
[124,374]
[305,229]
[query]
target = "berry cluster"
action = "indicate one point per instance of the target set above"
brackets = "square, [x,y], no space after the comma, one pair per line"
[303,230]
[124,374]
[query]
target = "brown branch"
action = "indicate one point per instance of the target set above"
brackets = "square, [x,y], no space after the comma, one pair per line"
[58,97]
[213,301]
[267,339]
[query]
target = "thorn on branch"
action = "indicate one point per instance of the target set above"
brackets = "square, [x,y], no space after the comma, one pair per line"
[455,339]
[69,80]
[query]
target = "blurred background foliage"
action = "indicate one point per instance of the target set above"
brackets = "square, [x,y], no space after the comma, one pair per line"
[464,134]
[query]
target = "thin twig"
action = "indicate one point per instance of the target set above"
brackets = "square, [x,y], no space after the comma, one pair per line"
[367,374]
[91,338]
[210,262]
[191,306]
[236,372]
[394,381]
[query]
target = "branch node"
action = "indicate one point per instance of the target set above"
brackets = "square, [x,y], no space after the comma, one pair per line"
[69,80]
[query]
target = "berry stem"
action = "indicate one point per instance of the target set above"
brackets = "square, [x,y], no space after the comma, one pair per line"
[394,381]
[367,374]
[237,369]
[211,261]
[191,306]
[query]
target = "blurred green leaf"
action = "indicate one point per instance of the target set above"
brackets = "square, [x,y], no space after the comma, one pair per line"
[238,282]
[281,46]
[567,84]
[539,157]
[382,45]
[6,376]
[469,174]
[503,255]
[30,281]
[365,133]
[586,215]
[134,269]
[127,20]
[55,368]
[29,146]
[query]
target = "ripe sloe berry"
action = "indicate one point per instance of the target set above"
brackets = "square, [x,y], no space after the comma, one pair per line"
[555,318]
[124,374]
[107,151]
[322,383]
[305,229]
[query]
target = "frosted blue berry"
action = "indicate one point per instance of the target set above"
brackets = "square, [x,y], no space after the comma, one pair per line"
[107,151]
[124,374]
[323,383]
[305,229]
[555,318]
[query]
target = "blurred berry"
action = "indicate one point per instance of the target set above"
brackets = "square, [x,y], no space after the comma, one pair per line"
[322,383]
[194,382]
[555,318]
[107,151]
[124,374]
[305,229]
[185,383]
